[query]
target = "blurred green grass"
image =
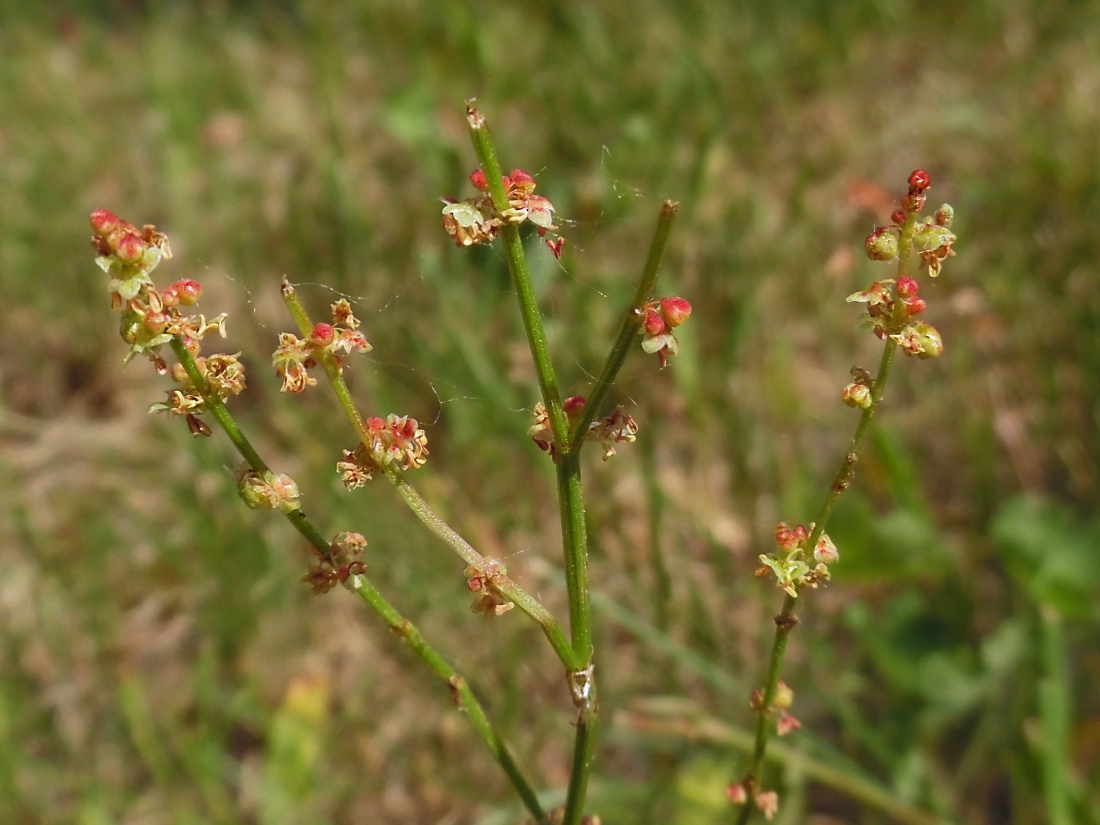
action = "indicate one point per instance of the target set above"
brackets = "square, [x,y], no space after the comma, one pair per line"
[160,661]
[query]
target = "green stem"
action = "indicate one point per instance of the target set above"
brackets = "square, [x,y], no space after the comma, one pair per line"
[628,328]
[568,472]
[521,277]
[432,520]
[461,693]
[786,621]
[460,690]
[584,752]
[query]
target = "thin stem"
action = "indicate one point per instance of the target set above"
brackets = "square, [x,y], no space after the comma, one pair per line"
[584,752]
[628,328]
[568,472]
[521,276]
[786,621]
[432,520]
[460,691]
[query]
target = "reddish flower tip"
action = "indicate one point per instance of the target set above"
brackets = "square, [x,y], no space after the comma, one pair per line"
[920,180]
[477,178]
[130,247]
[574,404]
[323,335]
[675,311]
[104,222]
[907,287]
[189,291]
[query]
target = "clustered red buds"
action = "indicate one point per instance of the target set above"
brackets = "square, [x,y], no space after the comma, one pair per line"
[150,318]
[892,304]
[395,441]
[294,357]
[612,429]
[483,582]
[789,563]
[338,564]
[476,220]
[656,320]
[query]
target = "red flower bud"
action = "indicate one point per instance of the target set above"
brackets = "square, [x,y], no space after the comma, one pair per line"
[574,404]
[189,291]
[907,287]
[130,247]
[520,176]
[477,178]
[898,216]
[104,222]
[675,311]
[323,335]
[919,181]
[654,323]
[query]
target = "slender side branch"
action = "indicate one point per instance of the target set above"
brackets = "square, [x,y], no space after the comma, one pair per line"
[461,693]
[628,328]
[432,520]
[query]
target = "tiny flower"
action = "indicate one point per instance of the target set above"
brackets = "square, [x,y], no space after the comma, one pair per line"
[882,244]
[825,551]
[356,467]
[907,287]
[654,323]
[267,491]
[477,178]
[189,291]
[737,794]
[573,405]
[786,723]
[322,336]
[540,430]
[875,295]
[784,696]
[857,395]
[675,311]
[919,181]
[616,428]
[342,316]
[945,215]
[898,216]
[291,360]
[790,538]
[483,581]
[768,803]
[920,339]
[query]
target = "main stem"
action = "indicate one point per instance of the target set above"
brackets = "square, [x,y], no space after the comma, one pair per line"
[568,471]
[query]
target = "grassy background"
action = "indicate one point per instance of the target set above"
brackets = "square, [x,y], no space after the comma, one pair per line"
[161,663]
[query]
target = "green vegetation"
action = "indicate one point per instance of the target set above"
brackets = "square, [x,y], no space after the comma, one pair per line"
[160,661]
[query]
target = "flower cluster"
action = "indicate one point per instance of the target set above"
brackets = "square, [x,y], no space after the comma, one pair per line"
[892,304]
[657,319]
[483,582]
[293,357]
[790,564]
[616,428]
[396,441]
[338,564]
[476,220]
[150,318]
